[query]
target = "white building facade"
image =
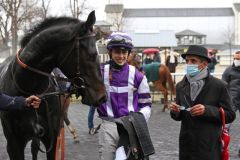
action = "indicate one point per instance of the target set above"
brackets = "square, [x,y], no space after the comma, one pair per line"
[216,23]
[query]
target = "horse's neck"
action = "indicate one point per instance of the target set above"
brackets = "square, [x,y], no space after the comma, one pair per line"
[28,81]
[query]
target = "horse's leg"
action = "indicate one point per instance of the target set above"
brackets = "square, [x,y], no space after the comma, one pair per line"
[71,128]
[158,84]
[15,145]
[50,145]
[15,148]
[34,148]
[51,154]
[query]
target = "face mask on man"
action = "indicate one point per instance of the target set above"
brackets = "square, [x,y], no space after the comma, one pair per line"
[236,62]
[192,69]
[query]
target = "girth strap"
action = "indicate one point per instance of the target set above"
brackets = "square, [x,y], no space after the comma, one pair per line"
[141,129]
[140,144]
[134,146]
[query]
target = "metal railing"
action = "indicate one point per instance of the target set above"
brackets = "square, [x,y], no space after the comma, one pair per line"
[176,78]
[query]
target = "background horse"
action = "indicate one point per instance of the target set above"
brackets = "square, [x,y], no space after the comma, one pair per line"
[164,83]
[68,44]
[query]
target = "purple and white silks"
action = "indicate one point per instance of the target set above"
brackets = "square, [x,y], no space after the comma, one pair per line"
[127,91]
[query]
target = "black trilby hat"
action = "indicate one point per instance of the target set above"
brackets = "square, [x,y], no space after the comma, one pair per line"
[197,51]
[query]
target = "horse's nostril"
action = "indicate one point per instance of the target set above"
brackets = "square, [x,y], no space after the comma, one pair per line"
[103,99]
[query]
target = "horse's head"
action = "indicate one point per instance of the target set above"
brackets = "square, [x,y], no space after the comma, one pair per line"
[135,59]
[81,64]
[70,45]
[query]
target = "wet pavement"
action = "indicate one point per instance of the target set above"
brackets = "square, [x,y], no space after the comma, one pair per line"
[164,133]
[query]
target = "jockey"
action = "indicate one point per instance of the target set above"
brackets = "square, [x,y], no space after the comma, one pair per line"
[127,91]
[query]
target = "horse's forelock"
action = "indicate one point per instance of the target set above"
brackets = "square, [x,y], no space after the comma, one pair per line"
[49,22]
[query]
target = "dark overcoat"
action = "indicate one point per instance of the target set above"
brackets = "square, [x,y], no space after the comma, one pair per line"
[232,76]
[200,136]
[8,103]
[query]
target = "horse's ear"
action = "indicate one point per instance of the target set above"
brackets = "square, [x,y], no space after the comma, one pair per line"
[90,20]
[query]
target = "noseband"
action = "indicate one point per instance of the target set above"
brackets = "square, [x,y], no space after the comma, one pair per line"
[77,82]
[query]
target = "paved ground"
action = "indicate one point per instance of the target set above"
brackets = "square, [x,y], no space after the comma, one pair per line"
[164,132]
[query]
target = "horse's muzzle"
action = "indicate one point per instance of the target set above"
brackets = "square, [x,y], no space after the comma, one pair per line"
[101,100]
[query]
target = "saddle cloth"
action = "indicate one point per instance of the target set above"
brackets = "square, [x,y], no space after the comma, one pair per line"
[152,71]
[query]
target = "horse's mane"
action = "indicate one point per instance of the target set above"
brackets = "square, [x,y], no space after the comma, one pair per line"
[52,21]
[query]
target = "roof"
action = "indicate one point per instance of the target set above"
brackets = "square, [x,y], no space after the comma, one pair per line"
[189,32]
[237,6]
[102,23]
[163,38]
[113,8]
[178,12]
[228,51]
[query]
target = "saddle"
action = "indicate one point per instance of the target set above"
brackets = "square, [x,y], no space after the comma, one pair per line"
[134,136]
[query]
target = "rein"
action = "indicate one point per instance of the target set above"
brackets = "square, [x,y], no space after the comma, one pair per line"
[73,81]
[44,98]
[25,66]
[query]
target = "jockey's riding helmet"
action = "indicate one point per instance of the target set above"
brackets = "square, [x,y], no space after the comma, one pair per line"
[119,40]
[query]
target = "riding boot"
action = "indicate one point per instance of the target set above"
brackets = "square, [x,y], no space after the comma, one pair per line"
[74,133]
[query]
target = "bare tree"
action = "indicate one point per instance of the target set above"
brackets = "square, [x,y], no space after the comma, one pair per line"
[4,26]
[31,13]
[45,8]
[78,7]
[117,21]
[229,36]
[11,10]
[16,15]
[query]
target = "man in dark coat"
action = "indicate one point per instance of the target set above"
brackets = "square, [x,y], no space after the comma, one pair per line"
[171,62]
[8,103]
[198,98]
[232,76]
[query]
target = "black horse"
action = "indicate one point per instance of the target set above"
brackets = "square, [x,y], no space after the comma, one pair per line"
[68,44]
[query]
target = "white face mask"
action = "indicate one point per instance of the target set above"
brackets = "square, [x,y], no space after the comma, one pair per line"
[236,62]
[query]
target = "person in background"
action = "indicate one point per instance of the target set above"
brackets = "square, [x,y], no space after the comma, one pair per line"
[171,62]
[18,103]
[127,90]
[63,86]
[231,75]
[199,96]
[212,64]
[92,130]
[156,57]
[148,60]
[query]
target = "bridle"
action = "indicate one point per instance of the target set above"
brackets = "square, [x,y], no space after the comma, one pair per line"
[77,82]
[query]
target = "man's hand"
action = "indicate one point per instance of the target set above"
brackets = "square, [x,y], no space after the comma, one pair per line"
[33,101]
[197,110]
[174,107]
